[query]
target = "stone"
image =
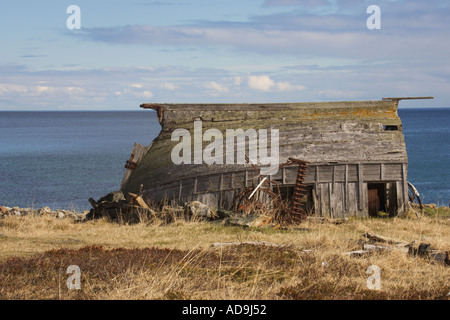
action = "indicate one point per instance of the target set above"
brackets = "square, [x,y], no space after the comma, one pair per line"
[198,209]
[26,211]
[76,216]
[60,215]
[72,215]
[44,211]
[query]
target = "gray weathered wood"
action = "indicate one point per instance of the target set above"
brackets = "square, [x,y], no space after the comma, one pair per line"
[344,141]
[360,187]
[136,155]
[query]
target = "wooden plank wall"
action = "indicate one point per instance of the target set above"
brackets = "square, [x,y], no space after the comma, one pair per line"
[339,190]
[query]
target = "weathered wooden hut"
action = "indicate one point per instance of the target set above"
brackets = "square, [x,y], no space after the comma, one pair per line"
[355,149]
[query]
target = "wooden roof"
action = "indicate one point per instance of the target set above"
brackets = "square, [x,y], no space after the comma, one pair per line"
[342,132]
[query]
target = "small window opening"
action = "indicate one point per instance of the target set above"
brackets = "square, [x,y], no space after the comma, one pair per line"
[390,128]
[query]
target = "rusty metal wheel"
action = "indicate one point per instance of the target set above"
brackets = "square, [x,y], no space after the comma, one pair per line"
[248,201]
[413,195]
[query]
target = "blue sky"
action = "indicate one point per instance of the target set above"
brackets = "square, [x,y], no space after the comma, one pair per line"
[133,52]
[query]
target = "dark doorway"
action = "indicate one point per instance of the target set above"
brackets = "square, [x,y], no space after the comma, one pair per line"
[377,198]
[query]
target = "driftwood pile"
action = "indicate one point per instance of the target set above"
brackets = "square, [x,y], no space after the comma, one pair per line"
[117,207]
[377,243]
[133,208]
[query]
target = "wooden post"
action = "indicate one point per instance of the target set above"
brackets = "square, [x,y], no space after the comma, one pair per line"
[330,206]
[220,189]
[195,185]
[405,187]
[346,193]
[246,178]
[233,176]
[360,187]
[318,208]
[179,191]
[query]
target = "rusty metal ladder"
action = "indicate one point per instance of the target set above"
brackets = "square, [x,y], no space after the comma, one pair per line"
[297,211]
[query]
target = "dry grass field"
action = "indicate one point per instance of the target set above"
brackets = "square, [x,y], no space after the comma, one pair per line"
[178,261]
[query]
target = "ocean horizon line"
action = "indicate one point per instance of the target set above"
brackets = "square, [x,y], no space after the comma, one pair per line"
[142,110]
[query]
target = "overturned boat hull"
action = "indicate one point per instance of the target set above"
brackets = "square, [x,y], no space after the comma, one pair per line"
[355,149]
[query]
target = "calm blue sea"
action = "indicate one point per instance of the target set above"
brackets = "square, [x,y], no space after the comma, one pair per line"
[61,159]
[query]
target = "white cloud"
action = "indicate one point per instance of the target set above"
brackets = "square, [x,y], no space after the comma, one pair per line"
[134,92]
[286,86]
[261,83]
[32,90]
[147,94]
[103,89]
[6,88]
[75,90]
[42,89]
[217,87]
[264,83]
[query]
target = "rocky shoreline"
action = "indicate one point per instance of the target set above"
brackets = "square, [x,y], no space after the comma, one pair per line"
[44,211]
[132,208]
[117,207]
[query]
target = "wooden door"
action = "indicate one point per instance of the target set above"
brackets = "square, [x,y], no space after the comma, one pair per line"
[374,202]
